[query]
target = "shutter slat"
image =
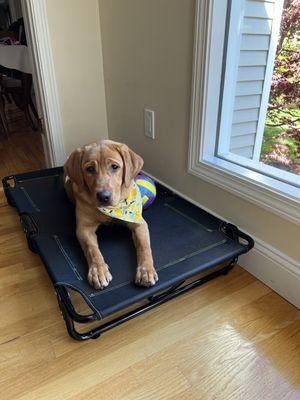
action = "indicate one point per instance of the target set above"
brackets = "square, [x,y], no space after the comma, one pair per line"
[265,1]
[257,26]
[244,151]
[259,9]
[246,102]
[244,128]
[245,115]
[248,88]
[248,58]
[255,42]
[242,141]
[251,73]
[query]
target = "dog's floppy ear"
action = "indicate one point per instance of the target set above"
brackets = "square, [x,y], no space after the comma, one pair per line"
[133,163]
[73,168]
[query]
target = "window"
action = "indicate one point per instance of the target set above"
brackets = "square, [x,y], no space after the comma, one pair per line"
[238,41]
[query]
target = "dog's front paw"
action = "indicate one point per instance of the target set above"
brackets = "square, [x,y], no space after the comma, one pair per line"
[99,276]
[146,276]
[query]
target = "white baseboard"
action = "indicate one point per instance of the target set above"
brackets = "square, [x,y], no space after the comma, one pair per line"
[274,268]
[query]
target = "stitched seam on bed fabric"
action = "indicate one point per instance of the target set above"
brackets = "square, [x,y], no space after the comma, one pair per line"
[109,289]
[37,178]
[63,251]
[30,199]
[187,217]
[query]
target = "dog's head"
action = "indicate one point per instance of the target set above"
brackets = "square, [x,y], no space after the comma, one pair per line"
[104,170]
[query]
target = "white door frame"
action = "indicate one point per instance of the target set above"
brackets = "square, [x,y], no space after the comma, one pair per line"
[38,38]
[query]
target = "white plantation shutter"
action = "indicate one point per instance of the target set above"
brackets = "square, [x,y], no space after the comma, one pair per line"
[252,38]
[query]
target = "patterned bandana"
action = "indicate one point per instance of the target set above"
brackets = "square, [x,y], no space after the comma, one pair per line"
[129,210]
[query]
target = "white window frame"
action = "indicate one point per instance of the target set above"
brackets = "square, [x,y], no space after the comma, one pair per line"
[274,195]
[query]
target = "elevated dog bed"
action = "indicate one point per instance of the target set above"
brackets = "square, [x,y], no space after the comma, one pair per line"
[185,240]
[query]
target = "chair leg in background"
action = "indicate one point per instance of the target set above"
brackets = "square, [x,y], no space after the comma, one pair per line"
[3,116]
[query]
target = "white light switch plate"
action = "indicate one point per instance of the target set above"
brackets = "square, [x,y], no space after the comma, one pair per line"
[149,123]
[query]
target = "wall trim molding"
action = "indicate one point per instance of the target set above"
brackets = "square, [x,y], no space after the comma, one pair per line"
[274,268]
[271,266]
[35,14]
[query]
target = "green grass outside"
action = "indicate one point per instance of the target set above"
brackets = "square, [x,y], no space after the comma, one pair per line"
[285,146]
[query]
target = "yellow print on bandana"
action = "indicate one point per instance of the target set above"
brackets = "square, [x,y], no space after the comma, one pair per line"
[128,210]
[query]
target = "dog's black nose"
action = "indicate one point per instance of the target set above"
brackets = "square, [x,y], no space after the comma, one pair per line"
[104,196]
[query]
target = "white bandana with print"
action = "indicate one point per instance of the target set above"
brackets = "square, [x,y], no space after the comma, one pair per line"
[128,210]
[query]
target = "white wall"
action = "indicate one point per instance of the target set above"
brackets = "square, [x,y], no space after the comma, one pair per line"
[76,45]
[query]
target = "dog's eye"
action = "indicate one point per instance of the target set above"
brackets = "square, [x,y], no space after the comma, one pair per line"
[115,167]
[90,169]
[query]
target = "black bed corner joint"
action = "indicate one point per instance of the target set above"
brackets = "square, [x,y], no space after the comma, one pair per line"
[233,232]
[7,187]
[63,297]
[5,181]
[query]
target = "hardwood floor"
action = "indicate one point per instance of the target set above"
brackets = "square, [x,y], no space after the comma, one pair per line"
[231,339]
[23,150]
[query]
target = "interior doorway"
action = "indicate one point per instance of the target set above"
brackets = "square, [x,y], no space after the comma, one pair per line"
[21,144]
[31,133]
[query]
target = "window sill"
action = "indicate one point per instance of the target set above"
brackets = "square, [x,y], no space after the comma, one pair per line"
[275,196]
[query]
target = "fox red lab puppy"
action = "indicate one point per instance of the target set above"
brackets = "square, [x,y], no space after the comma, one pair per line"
[101,175]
